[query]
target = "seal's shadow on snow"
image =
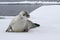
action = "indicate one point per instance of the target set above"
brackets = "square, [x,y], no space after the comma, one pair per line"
[34,30]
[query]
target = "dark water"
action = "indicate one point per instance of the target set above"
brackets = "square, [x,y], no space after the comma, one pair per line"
[10,10]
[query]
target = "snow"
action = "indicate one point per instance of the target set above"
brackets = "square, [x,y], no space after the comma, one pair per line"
[47,16]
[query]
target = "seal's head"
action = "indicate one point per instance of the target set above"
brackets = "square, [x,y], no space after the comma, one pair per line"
[24,14]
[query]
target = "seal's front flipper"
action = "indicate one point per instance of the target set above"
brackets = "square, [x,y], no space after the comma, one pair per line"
[26,30]
[9,29]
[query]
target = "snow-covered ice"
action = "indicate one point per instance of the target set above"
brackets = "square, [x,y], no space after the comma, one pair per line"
[49,19]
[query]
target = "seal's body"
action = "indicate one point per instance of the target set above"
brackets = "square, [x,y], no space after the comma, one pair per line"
[21,23]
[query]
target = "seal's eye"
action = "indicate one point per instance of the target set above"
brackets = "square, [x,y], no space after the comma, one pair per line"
[23,14]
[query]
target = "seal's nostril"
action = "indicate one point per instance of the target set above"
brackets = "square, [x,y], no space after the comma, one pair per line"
[28,15]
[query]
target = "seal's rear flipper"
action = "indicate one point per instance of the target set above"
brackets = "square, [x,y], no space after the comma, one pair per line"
[36,24]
